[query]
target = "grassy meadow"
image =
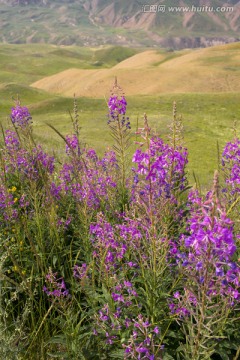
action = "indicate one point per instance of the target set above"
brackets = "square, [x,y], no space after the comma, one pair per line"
[100,257]
[208,111]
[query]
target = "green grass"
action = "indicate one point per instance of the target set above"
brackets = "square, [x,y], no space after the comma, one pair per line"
[28,63]
[112,55]
[207,119]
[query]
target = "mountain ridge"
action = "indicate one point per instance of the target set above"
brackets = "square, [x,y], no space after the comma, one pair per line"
[97,22]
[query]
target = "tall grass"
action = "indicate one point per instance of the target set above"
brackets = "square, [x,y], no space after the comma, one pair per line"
[103,259]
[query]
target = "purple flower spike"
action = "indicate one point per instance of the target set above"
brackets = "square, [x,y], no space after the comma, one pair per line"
[231,165]
[20,116]
[117,105]
[72,144]
[56,287]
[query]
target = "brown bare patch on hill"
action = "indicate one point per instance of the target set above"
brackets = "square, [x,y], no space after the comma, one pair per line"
[206,70]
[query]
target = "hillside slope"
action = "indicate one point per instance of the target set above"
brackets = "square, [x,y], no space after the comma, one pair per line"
[211,70]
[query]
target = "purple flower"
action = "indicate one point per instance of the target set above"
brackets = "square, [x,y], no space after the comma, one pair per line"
[231,165]
[160,168]
[205,256]
[104,313]
[88,179]
[142,349]
[128,350]
[56,287]
[177,295]
[11,141]
[55,190]
[72,145]
[127,283]
[127,322]
[23,202]
[79,272]
[117,105]
[219,271]
[199,265]
[118,297]
[20,116]
[103,317]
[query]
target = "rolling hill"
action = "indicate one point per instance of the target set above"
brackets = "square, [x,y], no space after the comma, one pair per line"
[152,72]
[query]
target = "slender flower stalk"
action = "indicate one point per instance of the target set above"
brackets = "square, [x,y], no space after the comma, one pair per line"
[120,130]
[211,277]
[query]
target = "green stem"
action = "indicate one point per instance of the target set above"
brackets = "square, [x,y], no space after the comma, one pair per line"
[122,155]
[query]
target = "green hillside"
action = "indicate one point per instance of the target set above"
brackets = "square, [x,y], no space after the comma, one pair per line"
[28,63]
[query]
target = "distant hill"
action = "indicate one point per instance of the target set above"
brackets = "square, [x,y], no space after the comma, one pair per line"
[181,24]
[152,72]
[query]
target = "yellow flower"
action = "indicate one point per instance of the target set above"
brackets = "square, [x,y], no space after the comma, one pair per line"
[15,200]
[13,189]
[15,268]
